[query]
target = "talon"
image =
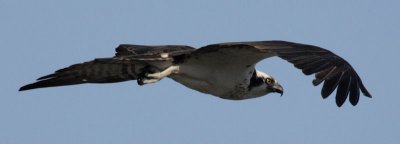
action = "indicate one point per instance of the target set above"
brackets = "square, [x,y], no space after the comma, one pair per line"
[140,78]
[140,81]
[150,75]
[146,78]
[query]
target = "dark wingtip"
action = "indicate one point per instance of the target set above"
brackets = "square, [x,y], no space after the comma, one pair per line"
[26,87]
[32,86]
[339,104]
[366,93]
[316,82]
[38,84]
[340,101]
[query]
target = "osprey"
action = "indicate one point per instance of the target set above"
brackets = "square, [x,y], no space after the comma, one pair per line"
[225,70]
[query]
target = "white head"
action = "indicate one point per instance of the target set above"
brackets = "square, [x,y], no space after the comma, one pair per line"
[262,84]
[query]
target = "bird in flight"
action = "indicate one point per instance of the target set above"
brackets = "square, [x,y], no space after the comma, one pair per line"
[225,70]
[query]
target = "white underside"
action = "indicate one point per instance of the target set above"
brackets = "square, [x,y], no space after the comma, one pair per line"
[225,77]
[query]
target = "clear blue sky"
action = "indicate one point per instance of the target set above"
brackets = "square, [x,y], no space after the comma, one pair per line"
[40,36]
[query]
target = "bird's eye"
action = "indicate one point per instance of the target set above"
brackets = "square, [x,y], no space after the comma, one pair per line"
[269,81]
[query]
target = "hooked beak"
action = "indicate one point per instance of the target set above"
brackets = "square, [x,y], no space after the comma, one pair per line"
[278,89]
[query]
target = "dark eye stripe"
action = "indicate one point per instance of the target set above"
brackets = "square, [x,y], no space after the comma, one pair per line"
[255,81]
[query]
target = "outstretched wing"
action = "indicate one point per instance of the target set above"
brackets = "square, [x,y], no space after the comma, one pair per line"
[106,70]
[127,64]
[334,71]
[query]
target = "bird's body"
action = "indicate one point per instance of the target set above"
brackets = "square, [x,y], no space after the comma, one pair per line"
[225,70]
[225,77]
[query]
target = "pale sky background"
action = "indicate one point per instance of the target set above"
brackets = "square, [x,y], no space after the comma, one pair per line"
[38,37]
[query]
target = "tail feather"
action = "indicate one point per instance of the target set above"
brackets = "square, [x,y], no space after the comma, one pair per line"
[107,70]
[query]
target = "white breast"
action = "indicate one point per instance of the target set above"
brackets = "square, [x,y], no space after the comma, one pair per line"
[216,76]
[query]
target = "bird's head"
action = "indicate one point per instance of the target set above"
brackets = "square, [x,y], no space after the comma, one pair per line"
[262,84]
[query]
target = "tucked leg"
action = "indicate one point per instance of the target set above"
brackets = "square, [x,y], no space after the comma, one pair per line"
[159,75]
[148,77]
